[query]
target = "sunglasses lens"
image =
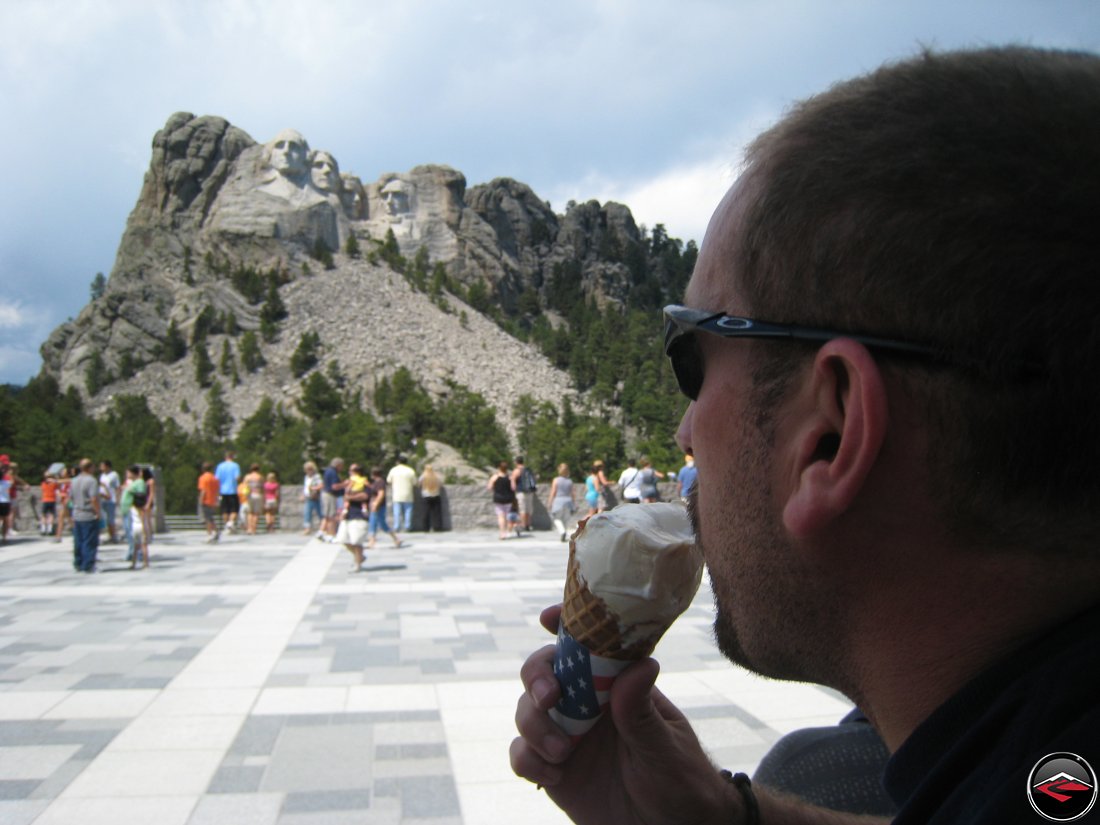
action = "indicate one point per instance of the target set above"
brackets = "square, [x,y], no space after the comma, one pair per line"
[687,366]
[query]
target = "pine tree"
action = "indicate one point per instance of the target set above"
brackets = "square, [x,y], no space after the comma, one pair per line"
[173,347]
[218,420]
[96,374]
[251,357]
[99,285]
[272,312]
[204,367]
[228,364]
[305,356]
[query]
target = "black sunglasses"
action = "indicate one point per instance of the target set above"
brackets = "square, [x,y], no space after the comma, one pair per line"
[682,323]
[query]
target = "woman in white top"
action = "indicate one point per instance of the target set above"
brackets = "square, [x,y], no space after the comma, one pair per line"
[561,499]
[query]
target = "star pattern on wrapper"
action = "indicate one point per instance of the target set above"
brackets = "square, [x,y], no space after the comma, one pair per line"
[572,665]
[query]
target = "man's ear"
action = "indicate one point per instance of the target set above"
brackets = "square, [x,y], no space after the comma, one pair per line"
[836,435]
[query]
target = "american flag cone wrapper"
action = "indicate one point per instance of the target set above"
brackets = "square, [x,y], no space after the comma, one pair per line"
[585,681]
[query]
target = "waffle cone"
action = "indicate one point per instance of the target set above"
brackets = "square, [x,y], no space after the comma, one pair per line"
[588,619]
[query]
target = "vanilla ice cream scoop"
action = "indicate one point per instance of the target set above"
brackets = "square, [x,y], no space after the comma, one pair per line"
[641,561]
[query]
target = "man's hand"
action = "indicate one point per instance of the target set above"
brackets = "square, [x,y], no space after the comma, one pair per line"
[641,763]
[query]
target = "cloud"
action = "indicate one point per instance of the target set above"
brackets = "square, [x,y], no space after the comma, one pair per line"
[22,329]
[15,315]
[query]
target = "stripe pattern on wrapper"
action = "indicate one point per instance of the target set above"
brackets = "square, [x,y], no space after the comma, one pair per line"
[585,682]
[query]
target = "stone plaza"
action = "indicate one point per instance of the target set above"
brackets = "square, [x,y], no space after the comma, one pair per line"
[258,681]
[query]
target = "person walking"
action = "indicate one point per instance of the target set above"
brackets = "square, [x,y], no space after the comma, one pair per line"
[504,497]
[85,500]
[332,489]
[228,473]
[352,532]
[561,500]
[377,519]
[209,496]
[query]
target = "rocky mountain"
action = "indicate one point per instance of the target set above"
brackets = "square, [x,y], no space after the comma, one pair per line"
[222,222]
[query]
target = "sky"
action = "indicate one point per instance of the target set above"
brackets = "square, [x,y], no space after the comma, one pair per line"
[642,102]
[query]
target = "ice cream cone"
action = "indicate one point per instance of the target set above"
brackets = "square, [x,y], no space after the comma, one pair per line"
[588,619]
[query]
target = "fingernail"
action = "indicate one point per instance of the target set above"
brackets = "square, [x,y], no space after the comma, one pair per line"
[556,747]
[542,690]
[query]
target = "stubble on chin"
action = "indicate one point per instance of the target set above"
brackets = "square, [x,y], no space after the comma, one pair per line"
[725,636]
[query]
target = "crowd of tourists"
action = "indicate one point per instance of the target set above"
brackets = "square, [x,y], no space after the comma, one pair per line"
[86,500]
[513,490]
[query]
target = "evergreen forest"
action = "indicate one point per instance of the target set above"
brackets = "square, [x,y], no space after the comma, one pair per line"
[613,355]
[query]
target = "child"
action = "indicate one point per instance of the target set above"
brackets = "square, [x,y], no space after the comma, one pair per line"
[132,504]
[49,504]
[209,498]
[271,500]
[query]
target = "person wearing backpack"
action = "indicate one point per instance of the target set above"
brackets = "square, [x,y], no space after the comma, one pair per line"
[525,484]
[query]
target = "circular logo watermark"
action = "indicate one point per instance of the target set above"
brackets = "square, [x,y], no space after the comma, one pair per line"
[1062,787]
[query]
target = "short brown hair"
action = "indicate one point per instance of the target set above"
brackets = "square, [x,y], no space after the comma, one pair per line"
[951,200]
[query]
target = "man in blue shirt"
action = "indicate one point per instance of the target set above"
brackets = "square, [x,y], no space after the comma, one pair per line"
[228,474]
[685,479]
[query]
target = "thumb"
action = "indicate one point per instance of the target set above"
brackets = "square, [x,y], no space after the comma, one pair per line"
[639,723]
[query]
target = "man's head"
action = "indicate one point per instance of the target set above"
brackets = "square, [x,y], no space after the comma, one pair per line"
[337,463]
[87,465]
[949,202]
[105,466]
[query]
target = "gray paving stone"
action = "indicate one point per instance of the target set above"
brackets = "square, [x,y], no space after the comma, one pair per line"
[22,812]
[17,788]
[428,796]
[231,779]
[320,757]
[352,800]
[258,735]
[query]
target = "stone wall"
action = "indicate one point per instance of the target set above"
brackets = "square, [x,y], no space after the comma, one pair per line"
[465,507]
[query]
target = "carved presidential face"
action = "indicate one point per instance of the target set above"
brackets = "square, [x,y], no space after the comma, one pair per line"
[395,196]
[352,196]
[287,153]
[324,172]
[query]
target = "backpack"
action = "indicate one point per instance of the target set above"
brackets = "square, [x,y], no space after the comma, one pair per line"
[527,481]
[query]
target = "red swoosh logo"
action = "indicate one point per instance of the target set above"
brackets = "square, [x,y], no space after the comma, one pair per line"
[1051,789]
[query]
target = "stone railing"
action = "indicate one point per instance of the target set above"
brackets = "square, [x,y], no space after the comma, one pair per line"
[465,507]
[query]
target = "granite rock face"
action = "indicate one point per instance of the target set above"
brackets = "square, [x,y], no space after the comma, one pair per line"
[215,201]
